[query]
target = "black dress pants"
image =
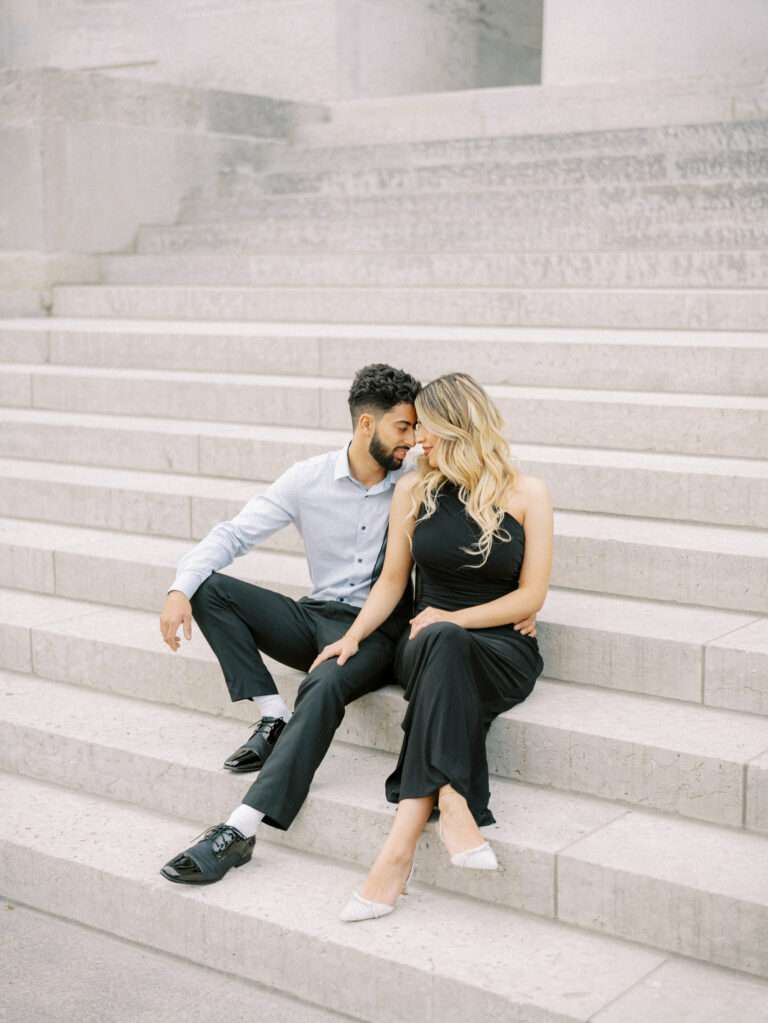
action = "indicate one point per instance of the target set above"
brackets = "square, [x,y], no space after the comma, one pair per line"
[240,622]
[456,682]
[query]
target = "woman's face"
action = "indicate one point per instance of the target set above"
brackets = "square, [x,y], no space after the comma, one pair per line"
[429,442]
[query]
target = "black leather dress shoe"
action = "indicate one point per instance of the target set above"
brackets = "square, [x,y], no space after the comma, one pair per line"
[252,755]
[219,848]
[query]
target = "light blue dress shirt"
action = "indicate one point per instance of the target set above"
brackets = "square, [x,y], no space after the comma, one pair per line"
[343,526]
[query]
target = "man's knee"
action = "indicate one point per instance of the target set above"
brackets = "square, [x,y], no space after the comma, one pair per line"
[209,589]
[325,684]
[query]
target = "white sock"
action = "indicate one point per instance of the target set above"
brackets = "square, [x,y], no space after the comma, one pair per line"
[245,819]
[273,706]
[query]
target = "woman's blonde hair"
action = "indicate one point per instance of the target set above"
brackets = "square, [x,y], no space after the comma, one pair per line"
[473,454]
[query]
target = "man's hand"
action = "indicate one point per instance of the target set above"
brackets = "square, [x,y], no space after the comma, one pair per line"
[343,648]
[177,611]
[527,626]
[428,616]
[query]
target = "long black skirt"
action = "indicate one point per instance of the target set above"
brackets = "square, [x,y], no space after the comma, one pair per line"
[456,682]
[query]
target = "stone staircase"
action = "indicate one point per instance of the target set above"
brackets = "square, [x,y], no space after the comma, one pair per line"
[609,288]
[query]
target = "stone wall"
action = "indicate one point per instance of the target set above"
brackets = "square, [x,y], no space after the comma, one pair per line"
[298,49]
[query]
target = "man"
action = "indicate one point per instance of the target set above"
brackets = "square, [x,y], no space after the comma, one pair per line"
[340,504]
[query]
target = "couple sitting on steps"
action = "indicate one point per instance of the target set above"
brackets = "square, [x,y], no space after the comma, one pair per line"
[463,646]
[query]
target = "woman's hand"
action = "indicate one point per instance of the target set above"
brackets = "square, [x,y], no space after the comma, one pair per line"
[527,626]
[429,616]
[343,648]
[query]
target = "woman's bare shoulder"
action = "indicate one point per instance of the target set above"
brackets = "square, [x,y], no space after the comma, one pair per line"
[527,492]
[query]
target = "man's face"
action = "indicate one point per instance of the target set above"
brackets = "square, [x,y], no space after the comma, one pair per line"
[393,436]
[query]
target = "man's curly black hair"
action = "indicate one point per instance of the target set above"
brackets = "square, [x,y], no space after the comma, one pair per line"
[378,388]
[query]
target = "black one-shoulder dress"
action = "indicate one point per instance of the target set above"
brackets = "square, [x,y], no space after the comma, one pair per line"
[458,680]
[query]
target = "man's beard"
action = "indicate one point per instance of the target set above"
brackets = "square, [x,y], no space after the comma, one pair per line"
[386,458]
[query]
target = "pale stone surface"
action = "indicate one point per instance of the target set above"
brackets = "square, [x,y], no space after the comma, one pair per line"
[736,669]
[643,646]
[656,269]
[693,37]
[19,612]
[684,423]
[598,480]
[689,888]
[669,309]
[528,110]
[757,793]
[165,445]
[62,972]
[688,992]
[654,753]
[169,761]
[731,363]
[229,397]
[697,564]
[233,925]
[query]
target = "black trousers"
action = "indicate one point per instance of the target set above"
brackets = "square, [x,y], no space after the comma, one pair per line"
[456,682]
[240,622]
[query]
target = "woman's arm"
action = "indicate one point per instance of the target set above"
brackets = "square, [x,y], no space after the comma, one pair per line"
[391,584]
[531,593]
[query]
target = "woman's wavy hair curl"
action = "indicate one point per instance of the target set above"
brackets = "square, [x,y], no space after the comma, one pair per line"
[473,454]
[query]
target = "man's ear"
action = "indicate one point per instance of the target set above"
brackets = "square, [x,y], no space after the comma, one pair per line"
[366,423]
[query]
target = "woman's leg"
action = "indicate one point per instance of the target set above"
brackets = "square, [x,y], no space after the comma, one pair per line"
[458,827]
[391,867]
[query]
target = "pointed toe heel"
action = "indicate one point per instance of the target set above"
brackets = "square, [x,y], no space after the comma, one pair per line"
[358,908]
[481,858]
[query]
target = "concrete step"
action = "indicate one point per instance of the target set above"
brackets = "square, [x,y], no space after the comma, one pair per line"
[691,146]
[516,172]
[685,487]
[711,309]
[59,970]
[599,107]
[677,651]
[635,557]
[713,362]
[292,940]
[649,269]
[559,854]
[692,424]
[739,202]
[429,234]
[640,750]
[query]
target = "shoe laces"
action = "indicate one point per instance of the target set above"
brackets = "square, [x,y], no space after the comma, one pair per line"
[263,725]
[223,836]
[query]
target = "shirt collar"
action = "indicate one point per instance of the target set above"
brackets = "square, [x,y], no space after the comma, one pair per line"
[342,470]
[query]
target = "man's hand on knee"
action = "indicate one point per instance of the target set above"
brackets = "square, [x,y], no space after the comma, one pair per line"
[176,611]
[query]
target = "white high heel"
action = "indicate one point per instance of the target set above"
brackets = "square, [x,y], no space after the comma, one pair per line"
[359,908]
[482,857]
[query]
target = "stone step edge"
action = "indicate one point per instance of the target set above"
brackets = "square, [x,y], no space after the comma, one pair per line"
[326,793]
[670,398]
[260,332]
[289,434]
[115,872]
[386,705]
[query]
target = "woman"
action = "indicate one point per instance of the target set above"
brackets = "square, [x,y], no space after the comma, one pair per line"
[480,534]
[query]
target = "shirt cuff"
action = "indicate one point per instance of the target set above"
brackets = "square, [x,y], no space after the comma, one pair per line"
[187,582]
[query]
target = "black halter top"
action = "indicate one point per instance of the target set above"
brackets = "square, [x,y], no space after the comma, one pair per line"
[446,576]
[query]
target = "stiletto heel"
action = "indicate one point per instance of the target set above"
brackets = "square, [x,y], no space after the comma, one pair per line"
[359,908]
[482,857]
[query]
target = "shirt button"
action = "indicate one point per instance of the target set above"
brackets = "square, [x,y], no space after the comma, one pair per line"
[360,560]
[362,527]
